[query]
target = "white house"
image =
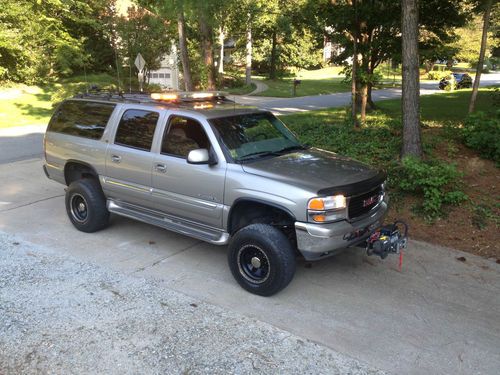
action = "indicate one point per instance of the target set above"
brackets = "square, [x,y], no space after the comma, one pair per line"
[167,76]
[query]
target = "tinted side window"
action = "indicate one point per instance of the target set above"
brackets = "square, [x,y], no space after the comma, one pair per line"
[136,129]
[183,135]
[83,119]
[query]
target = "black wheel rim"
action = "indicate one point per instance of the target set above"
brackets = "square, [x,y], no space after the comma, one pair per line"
[253,264]
[79,208]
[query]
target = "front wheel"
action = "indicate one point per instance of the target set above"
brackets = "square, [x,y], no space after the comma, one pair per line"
[261,259]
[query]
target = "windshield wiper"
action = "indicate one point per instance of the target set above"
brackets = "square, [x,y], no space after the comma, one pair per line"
[255,155]
[291,148]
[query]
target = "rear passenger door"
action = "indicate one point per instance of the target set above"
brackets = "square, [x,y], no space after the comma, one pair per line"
[189,191]
[129,158]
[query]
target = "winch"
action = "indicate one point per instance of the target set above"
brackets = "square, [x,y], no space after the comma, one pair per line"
[389,239]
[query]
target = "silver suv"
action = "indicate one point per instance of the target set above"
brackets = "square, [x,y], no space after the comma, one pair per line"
[200,165]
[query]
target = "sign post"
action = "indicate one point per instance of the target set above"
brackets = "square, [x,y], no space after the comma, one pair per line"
[140,63]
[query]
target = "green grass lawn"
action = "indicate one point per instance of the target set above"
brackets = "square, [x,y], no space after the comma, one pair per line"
[441,107]
[446,106]
[313,82]
[282,88]
[243,90]
[22,105]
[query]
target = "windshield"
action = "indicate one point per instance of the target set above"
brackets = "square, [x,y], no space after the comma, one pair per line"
[254,135]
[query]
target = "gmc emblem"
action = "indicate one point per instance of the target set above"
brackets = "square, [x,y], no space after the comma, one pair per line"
[369,201]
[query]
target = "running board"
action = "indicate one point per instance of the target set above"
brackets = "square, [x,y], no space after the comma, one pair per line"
[171,223]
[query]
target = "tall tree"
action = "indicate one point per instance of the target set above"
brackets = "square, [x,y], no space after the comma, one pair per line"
[145,33]
[412,144]
[175,10]
[43,40]
[486,21]
[186,66]
[248,51]
[206,33]
[379,27]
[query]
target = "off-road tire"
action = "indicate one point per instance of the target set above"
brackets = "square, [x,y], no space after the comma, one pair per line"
[270,247]
[94,214]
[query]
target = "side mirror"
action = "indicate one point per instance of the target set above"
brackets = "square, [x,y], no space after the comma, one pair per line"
[200,156]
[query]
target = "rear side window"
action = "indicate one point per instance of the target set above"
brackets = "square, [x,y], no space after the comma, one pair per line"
[83,119]
[136,129]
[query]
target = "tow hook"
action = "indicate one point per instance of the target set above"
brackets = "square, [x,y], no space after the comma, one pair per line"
[390,239]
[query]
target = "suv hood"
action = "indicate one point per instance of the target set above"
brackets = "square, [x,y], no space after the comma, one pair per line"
[316,170]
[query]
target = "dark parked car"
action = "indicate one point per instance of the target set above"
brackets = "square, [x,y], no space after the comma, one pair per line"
[463,81]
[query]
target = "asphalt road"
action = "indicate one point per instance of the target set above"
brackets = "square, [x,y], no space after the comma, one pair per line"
[438,316]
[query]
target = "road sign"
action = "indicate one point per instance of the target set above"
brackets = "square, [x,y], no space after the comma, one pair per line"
[139,62]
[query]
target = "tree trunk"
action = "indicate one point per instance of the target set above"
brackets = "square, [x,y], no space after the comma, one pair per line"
[429,65]
[207,51]
[354,71]
[480,63]
[272,69]
[186,69]
[248,65]
[221,57]
[371,103]
[412,144]
[364,97]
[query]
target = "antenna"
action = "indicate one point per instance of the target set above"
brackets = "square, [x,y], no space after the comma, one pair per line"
[86,81]
[130,75]
[117,70]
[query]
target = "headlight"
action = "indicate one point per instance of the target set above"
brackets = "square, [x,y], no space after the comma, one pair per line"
[334,202]
[327,209]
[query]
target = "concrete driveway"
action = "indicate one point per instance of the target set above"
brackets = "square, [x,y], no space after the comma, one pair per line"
[438,316]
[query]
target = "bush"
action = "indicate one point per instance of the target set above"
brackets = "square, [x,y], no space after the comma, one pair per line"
[481,132]
[436,75]
[437,181]
[452,84]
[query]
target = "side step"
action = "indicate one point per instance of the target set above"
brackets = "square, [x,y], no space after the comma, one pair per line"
[172,223]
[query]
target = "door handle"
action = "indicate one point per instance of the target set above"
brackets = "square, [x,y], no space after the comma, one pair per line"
[116,158]
[162,168]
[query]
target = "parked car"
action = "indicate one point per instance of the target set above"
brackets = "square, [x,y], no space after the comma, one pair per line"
[461,81]
[200,165]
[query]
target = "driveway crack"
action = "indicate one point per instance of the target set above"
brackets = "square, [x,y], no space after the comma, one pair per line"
[31,203]
[156,262]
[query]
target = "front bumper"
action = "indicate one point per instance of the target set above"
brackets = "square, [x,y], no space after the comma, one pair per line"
[317,241]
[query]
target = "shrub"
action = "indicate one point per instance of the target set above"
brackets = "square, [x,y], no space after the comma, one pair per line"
[437,181]
[452,84]
[436,75]
[481,132]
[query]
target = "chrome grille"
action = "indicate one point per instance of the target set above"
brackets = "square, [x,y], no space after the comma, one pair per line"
[363,203]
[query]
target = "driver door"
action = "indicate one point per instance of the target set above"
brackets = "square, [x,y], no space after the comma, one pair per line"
[189,191]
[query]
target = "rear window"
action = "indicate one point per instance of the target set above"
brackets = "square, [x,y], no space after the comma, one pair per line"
[80,118]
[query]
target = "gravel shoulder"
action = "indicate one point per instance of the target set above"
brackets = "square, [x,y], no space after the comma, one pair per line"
[58,315]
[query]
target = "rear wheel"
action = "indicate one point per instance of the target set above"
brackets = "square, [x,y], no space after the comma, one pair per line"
[86,205]
[261,259]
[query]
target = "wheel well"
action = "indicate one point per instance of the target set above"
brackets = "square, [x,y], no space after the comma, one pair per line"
[75,171]
[248,212]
